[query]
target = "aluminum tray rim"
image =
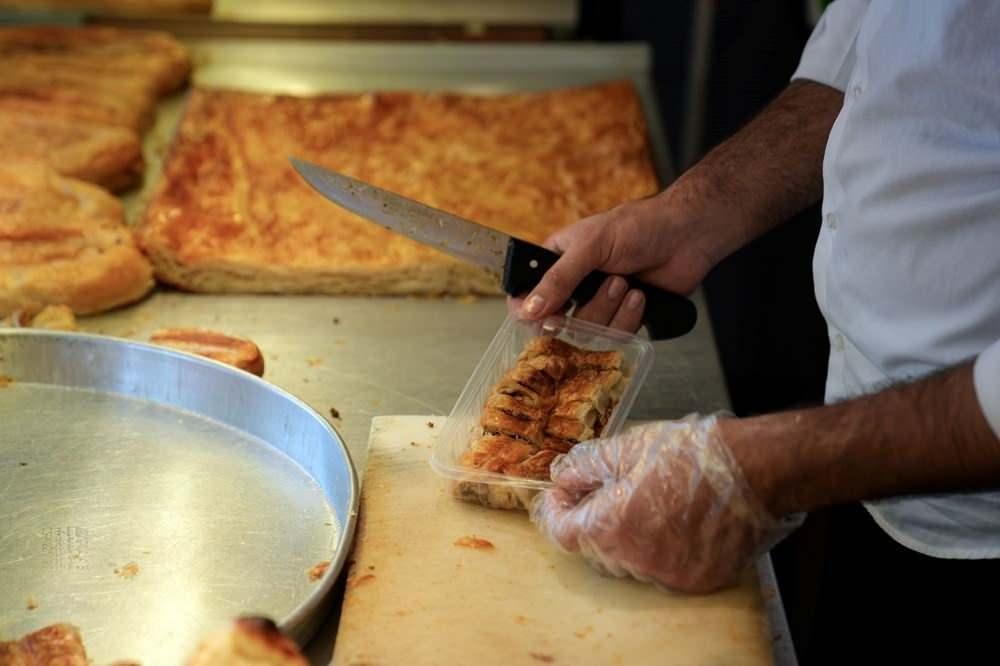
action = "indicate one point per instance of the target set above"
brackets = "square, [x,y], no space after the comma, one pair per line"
[302,622]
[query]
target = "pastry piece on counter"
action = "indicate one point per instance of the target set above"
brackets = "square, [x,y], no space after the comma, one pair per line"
[74,104]
[231,215]
[97,153]
[110,76]
[54,645]
[554,397]
[51,317]
[237,352]
[133,99]
[106,53]
[64,242]
[248,641]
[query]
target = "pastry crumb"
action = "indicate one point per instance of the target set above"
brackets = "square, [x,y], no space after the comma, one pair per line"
[317,570]
[430,424]
[361,580]
[314,361]
[544,658]
[474,542]
[32,603]
[334,413]
[336,321]
[5,381]
[130,570]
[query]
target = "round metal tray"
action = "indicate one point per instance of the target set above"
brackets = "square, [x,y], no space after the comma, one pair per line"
[147,496]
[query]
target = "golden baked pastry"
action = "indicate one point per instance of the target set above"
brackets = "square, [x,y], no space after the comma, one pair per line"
[248,641]
[51,317]
[63,241]
[229,349]
[111,76]
[231,215]
[101,154]
[555,396]
[73,104]
[110,54]
[54,645]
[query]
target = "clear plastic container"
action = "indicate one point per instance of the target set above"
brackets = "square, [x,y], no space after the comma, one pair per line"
[463,425]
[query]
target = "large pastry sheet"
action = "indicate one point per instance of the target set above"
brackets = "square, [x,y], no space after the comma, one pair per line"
[230,215]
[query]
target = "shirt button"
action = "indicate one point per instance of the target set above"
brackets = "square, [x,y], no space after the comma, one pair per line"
[831,220]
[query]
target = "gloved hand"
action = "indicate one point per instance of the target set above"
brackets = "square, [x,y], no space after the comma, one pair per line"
[663,502]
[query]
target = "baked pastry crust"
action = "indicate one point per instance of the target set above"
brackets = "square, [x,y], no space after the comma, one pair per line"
[101,154]
[63,241]
[554,397]
[238,352]
[232,216]
[148,58]
[54,645]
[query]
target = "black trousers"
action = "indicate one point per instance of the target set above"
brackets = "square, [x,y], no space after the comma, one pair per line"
[873,601]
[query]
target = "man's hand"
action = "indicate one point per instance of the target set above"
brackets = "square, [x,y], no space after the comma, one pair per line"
[653,239]
[764,174]
[664,502]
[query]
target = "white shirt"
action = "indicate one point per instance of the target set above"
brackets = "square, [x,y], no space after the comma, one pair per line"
[907,265]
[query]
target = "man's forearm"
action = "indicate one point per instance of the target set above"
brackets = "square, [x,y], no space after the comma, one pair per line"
[766,172]
[926,436]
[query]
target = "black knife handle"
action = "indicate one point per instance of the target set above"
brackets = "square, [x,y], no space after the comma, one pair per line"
[667,315]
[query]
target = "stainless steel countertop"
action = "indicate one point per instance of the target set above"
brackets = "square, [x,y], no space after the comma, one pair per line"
[394,355]
[382,356]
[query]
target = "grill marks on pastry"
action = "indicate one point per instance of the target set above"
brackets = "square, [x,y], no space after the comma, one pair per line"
[555,396]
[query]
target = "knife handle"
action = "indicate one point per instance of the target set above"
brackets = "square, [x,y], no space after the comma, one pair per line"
[667,315]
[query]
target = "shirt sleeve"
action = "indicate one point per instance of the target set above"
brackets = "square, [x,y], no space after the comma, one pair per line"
[829,54]
[986,377]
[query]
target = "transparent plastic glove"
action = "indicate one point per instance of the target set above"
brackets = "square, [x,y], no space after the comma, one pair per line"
[663,502]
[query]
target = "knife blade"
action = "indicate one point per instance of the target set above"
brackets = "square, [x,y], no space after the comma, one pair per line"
[518,264]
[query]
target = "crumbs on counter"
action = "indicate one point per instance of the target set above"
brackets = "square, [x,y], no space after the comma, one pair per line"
[5,381]
[334,413]
[414,444]
[336,321]
[314,361]
[430,424]
[544,658]
[474,542]
[32,603]
[130,570]
[23,464]
[361,580]
[316,571]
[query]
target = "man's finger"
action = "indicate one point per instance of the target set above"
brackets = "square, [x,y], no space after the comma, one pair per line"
[628,317]
[605,304]
[586,467]
[558,283]
[553,513]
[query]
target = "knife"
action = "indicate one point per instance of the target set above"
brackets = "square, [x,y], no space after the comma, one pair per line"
[518,264]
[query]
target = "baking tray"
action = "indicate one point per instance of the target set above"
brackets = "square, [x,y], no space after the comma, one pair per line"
[148,495]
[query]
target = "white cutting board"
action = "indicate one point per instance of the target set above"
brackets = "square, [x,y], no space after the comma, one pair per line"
[415,597]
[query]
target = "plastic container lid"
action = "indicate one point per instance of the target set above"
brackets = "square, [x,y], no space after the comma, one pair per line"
[463,425]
